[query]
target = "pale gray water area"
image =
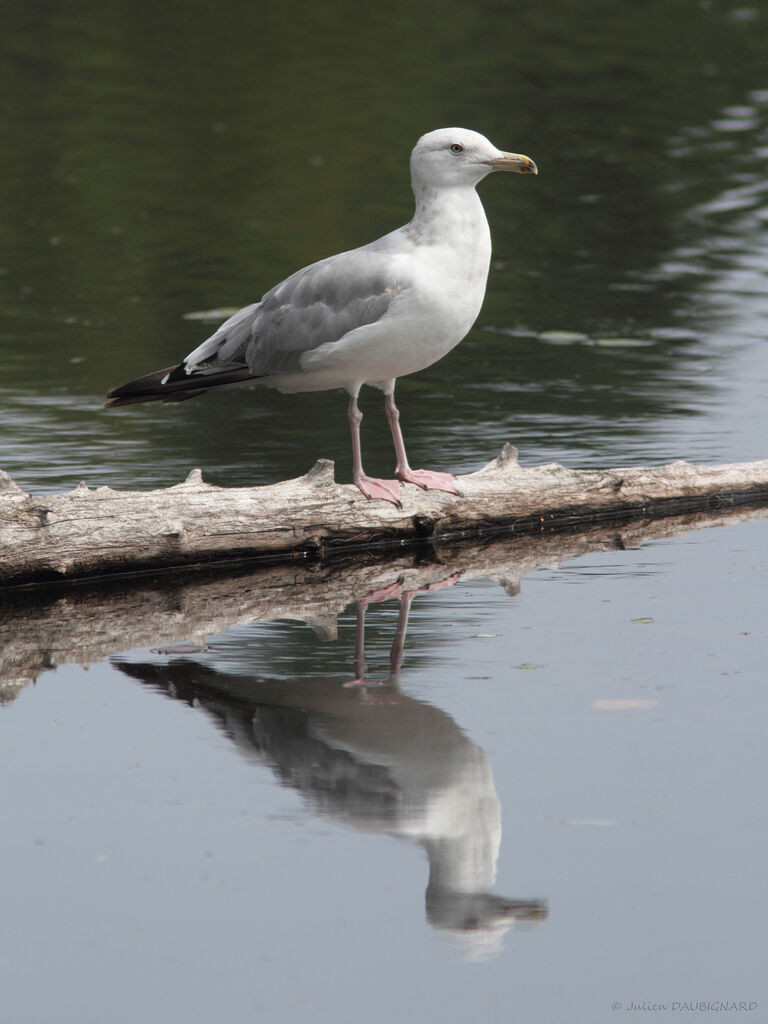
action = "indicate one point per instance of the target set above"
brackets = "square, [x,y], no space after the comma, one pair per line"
[237,829]
[554,813]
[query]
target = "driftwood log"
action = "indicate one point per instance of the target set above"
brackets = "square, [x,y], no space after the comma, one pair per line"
[42,628]
[87,533]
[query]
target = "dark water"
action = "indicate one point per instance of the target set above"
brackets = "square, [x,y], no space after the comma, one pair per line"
[233,832]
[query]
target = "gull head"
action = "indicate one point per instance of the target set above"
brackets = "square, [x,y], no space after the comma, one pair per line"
[456,157]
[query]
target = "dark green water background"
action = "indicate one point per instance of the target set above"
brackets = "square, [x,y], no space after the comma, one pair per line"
[160,160]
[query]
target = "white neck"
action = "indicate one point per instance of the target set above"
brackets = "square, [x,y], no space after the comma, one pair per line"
[442,212]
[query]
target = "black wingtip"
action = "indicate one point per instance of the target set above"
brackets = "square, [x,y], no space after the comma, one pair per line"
[173,384]
[143,389]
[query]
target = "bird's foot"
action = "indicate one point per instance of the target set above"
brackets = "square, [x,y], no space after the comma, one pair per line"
[361,684]
[429,481]
[384,594]
[387,490]
[449,581]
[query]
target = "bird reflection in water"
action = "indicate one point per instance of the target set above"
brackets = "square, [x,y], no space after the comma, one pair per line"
[366,754]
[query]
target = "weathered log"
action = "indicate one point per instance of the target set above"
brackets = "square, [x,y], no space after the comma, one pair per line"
[98,532]
[44,627]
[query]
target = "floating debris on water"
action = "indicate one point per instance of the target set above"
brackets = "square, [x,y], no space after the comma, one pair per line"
[621,342]
[562,337]
[223,313]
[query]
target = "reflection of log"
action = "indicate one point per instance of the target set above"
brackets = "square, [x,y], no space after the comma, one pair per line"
[87,533]
[41,629]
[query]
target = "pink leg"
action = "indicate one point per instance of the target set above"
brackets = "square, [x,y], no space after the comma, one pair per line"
[406,596]
[360,663]
[398,644]
[422,477]
[388,490]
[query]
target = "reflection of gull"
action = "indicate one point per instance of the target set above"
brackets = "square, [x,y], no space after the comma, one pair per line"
[373,757]
[367,316]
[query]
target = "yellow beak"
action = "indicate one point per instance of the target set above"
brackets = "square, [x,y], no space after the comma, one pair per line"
[514,162]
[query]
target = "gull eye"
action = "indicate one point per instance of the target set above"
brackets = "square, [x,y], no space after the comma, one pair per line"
[457,148]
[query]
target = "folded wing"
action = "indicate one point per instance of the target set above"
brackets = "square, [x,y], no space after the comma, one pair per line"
[317,305]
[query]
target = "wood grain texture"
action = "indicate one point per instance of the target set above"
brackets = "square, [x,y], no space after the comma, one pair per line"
[98,532]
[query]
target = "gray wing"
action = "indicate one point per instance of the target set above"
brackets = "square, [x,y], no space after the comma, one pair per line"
[316,305]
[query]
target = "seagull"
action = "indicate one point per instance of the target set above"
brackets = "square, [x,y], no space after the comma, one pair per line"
[366,316]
